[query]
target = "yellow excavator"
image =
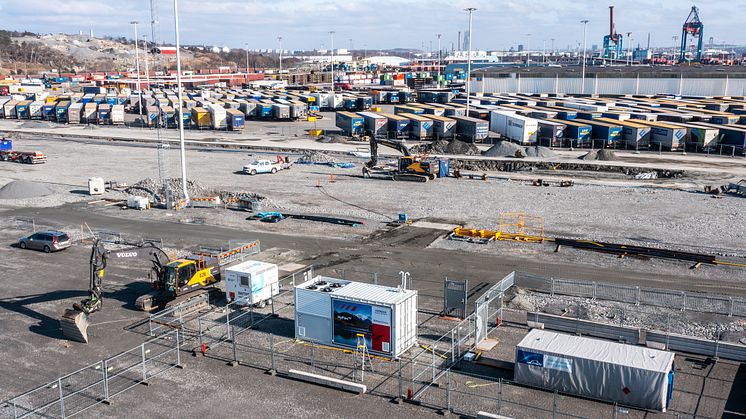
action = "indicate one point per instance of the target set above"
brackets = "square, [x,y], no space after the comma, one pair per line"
[408,167]
[174,281]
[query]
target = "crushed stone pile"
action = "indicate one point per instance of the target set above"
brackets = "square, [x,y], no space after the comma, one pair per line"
[310,156]
[23,189]
[603,154]
[540,151]
[454,147]
[333,138]
[149,187]
[504,149]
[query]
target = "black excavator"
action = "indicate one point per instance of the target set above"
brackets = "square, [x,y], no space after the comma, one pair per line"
[409,168]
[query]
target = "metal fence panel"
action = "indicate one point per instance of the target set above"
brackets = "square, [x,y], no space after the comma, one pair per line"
[620,293]
[83,389]
[708,304]
[663,298]
[454,297]
[576,288]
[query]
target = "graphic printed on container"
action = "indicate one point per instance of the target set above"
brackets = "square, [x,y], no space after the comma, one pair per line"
[373,322]
[557,363]
[530,358]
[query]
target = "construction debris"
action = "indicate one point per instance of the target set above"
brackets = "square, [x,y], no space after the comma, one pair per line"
[150,188]
[22,189]
[454,147]
[314,157]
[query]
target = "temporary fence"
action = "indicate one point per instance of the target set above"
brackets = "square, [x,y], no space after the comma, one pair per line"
[85,388]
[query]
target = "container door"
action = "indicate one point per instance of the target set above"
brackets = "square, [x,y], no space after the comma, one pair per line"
[381,329]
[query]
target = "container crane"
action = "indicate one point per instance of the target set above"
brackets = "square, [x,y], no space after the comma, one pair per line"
[695,28]
[613,41]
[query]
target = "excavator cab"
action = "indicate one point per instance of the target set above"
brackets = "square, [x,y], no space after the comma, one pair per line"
[183,275]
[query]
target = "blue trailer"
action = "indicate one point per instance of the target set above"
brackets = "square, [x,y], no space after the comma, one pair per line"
[398,126]
[60,110]
[365,102]
[609,134]
[264,110]
[6,144]
[392,97]
[236,119]
[576,132]
[47,112]
[351,124]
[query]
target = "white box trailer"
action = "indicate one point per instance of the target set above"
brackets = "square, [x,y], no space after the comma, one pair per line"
[34,109]
[117,115]
[218,116]
[252,283]
[627,374]
[334,311]
[514,127]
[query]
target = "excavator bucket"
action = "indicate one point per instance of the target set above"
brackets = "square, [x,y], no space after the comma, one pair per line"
[74,324]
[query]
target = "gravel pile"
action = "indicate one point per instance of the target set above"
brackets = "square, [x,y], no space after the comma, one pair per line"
[454,147]
[310,156]
[603,154]
[149,187]
[503,149]
[539,151]
[23,189]
[333,138]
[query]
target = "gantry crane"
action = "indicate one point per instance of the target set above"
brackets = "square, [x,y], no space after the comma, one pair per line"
[695,28]
[613,48]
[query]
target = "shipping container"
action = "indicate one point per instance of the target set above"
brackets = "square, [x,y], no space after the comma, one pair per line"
[9,109]
[420,127]
[665,135]
[298,109]
[443,128]
[336,312]
[74,113]
[22,111]
[89,115]
[251,283]
[634,133]
[61,111]
[576,132]
[550,133]
[48,113]
[201,118]
[35,109]
[104,114]
[350,123]
[280,111]
[514,127]
[218,116]
[471,129]
[168,117]
[236,119]
[117,115]
[152,116]
[3,101]
[248,108]
[607,134]
[375,124]
[614,372]
[398,126]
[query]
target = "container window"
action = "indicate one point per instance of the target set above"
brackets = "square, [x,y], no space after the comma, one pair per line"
[244,280]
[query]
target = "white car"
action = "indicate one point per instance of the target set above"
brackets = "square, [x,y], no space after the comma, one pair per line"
[262,166]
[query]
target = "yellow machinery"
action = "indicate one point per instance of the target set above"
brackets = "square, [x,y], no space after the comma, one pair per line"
[515,226]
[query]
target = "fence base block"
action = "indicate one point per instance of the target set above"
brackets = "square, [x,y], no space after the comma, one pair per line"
[233,363]
[328,381]
[486,415]
[444,412]
[271,372]
[145,383]
[397,400]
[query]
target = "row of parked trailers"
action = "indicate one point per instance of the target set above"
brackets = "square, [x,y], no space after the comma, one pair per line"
[406,124]
[636,122]
[63,111]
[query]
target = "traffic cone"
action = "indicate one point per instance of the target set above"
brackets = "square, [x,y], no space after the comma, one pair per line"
[331,178]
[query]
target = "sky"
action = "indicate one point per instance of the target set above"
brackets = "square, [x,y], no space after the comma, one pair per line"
[379,24]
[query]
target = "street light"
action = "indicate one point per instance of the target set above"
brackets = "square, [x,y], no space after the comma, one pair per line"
[147,72]
[279,39]
[246,44]
[182,149]
[585,26]
[629,48]
[137,68]
[528,49]
[468,60]
[439,59]
[331,69]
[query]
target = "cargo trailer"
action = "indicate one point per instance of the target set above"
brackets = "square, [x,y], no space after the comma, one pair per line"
[47,112]
[550,133]
[408,109]
[251,283]
[280,111]
[351,124]
[343,314]
[201,118]
[610,371]
[471,129]
[375,124]
[168,117]
[61,111]
[608,134]
[428,109]
[236,119]
[665,135]
[635,134]
[117,114]
[89,115]
[420,127]
[576,132]
[722,119]
[3,101]
[104,114]
[9,109]
[700,136]
[152,116]
[364,102]
[218,116]
[264,110]
[22,109]
[730,135]
[517,128]
[398,126]
[35,109]
[248,108]
[74,113]
[443,128]
[392,97]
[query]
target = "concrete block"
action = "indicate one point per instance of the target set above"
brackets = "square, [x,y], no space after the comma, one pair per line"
[485,415]
[328,381]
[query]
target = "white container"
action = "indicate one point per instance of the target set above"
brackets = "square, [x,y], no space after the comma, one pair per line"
[518,128]
[252,283]
[334,311]
[34,110]
[96,186]
[137,202]
[218,115]
[117,115]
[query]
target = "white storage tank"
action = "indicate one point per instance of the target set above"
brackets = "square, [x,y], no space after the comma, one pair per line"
[626,374]
[334,311]
[252,283]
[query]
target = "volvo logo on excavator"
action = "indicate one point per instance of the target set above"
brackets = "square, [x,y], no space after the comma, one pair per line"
[126,254]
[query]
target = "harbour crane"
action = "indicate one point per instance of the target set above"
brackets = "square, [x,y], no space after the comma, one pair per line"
[693,27]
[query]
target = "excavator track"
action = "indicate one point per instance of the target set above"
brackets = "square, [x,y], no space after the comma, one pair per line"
[410,178]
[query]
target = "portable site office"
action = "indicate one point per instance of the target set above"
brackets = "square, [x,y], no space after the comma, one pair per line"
[627,374]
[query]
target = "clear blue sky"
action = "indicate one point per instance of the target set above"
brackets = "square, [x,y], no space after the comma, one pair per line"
[304,24]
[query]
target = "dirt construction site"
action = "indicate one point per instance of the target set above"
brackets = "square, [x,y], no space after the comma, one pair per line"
[628,248]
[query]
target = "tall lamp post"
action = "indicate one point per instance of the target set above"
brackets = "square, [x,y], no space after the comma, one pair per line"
[629,48]
[246,44]
[471,10]
[331,69]
[279,39]
[439,59]
[137,68]
[585,27]
[182,149]
[147,72]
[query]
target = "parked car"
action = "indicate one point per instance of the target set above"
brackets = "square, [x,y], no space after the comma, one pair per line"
[264,166]
[47,241]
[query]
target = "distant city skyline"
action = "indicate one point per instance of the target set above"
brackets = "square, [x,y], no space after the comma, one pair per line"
[381,24]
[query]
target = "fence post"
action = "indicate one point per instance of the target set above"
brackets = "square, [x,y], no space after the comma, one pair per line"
[62,398]
[499,395]
[375,278]
[552,294]
[105,375]
[313,357]
[201,343]
[594,290]
[683,294]
[448,390]
[432,366]
[554,404]
[453,347]
[730,312]
[144,371]
[401,382]
[272,354]
[233,344]
[178,351]
[637,297]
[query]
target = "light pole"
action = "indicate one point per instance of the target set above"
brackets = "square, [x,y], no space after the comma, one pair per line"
[528,49]
[147,72]
[629,48]
[279,39]
[137,68]
[471,10]
[585,27]
[439,59]
[246,44]
[544,51]
[331,35]
[182,149]
[551,53]
[675,45]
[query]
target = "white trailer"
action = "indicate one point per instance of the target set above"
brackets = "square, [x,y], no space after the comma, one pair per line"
[252,283]
[514,127]
[218,115]
[117,115]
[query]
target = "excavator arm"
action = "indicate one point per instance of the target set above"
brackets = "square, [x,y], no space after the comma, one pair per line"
[388,143]
[74,322]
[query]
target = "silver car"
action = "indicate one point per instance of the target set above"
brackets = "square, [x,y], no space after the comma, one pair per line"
[47,241]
